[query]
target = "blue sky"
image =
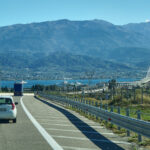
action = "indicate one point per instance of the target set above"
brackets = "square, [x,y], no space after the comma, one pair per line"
[115,11]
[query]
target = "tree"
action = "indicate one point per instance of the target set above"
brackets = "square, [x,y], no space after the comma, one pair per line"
[37,88]
[112,84]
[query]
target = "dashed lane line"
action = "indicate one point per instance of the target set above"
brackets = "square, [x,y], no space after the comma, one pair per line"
[77,148]
[67,121]
[59,118]
[54,129]
[67,125]
[53,144]
[85,139]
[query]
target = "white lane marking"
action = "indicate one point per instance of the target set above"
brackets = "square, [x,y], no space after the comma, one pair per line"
[98,140]
[67,121]
[49,114]
[58,117]
[43,132]
[77,148]
[67,125]
[54,129]
[28,94]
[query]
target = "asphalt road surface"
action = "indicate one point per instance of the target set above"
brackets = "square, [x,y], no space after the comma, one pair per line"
[43,125]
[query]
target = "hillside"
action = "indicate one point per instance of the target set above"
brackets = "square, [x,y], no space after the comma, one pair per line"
[74,47]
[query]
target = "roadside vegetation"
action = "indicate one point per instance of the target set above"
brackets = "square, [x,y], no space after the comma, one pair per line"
[136,100]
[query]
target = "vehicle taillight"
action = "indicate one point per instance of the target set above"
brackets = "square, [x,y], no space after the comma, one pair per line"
[13,106]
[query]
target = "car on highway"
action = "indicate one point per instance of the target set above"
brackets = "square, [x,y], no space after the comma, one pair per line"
[8,110]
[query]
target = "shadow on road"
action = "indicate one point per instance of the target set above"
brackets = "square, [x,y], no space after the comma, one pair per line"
[2,121]
[98,139]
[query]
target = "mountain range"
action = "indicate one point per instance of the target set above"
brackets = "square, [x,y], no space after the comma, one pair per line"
[71,48]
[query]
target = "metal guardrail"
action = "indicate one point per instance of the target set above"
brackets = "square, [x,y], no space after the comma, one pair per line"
[136,125]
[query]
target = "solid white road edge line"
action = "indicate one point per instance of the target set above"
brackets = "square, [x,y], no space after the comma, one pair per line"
[43,132]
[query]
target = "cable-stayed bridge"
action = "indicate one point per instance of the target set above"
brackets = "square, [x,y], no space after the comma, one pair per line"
[142,82]
[145,80]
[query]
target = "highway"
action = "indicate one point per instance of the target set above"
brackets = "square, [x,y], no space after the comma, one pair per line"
[43,125]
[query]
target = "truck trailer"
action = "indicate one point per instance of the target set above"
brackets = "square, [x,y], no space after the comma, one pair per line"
[18,89]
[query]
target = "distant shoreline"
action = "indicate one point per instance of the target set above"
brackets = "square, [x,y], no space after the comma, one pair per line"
[30,83]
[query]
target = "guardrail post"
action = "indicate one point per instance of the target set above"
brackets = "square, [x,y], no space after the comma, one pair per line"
[81,101]
[106,107]
[68,102]
[86,102]
[92,103]
[139,117]
[101,105]
[89,102]
[112,108]
[127,114]
[91,113]
[83,109]
[72,100]
[118,111]
[96,104]
[138,114]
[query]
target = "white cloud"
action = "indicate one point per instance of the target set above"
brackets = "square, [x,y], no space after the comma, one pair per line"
[147,20]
